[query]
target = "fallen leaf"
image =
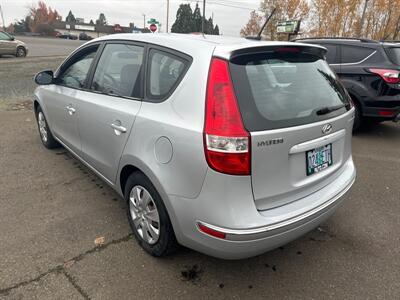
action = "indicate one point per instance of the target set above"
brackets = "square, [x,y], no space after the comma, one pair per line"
[68,264]
[99,241]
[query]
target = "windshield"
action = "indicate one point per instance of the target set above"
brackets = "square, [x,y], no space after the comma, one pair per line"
[282,89]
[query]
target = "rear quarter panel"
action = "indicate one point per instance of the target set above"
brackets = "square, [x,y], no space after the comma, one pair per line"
[179,119]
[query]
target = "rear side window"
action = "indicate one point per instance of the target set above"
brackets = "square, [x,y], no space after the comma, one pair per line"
[118,70]
[354,54]
[394,55]
[165,72]
[282,89]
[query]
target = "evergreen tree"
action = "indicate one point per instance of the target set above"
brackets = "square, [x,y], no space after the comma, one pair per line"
[184,20]
[197,19]
[216,30]
[188,21]
[70,18]
[101,20]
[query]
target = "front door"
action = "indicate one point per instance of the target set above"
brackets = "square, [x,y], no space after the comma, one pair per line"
[108,113]
[7,46]
[61,101]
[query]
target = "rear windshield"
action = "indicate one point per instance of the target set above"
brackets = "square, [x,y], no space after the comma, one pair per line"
[280,88]
[394,55]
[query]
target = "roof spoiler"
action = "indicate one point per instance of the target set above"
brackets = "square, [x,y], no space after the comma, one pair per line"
[258,36]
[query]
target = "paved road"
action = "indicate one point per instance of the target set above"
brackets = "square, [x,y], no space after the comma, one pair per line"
[53,208]
[39,46]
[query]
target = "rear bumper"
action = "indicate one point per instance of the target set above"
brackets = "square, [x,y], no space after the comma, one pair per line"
[250,232]
[385,108]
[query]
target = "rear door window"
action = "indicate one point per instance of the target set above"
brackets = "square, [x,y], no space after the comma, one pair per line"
[282,89]
[165,71]
[394,55]
[118,71]
[354,54]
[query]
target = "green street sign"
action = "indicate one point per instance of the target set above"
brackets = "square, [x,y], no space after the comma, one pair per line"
[288,27]
[153,21]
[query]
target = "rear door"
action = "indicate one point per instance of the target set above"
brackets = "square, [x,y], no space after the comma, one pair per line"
[108,113]
[298,116]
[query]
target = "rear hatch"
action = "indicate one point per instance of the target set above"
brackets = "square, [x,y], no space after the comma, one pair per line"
[298,115]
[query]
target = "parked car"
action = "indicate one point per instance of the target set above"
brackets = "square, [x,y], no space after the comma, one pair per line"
[10,46]
[85,37]
[370,71]
[67,36]
[227,146]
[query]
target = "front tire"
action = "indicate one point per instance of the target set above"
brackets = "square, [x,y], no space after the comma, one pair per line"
[148,216]
[21,52]
[46,136]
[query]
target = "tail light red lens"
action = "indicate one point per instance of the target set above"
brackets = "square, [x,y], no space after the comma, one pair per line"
[211,231]
[388,75]
[386,113]
[226,142]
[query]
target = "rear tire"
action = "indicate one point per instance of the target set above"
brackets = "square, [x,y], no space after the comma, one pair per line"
[46,136]
[148,216]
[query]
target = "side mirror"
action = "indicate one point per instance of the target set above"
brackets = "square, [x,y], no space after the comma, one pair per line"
[44,78]
[12,38]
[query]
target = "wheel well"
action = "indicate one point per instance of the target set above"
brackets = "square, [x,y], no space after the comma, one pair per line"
[356,101]
[125,173]
[35,105]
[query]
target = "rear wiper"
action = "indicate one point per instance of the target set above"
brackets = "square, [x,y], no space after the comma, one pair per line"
[329,109]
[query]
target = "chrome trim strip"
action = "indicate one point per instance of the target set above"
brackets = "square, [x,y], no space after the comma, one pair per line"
[86,163]
[355,63]
[314,143]
[262,232]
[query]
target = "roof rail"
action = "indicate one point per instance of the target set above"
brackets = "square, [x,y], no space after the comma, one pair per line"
[338,38]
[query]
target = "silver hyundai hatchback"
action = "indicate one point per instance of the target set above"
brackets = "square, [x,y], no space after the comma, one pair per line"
[228,146]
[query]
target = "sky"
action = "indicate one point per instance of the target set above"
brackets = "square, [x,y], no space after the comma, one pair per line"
[230,15]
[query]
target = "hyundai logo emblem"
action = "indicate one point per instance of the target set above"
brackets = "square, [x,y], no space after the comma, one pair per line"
[327,128]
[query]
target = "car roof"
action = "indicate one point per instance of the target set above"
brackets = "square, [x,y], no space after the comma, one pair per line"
[192,43]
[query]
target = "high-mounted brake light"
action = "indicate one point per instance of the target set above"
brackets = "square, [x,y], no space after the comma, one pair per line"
[288,49]
[226,142]
[388,75]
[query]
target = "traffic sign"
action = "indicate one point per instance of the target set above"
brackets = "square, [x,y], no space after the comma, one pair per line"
[153,21]
[153,27]
[291,27]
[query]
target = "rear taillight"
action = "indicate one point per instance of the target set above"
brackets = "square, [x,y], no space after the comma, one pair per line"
[226,142]
[388,75]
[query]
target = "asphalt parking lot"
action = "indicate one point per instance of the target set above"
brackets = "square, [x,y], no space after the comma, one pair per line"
[53,209]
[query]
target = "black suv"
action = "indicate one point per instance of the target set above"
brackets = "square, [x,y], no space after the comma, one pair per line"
[370,71]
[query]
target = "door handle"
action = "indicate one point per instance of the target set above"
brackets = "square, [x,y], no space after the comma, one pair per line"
[70,110]
[118,128]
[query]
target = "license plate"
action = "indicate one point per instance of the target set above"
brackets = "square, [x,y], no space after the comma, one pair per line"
[318,159]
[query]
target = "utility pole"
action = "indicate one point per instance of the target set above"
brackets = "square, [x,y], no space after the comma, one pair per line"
[2,17]
[167,15]
[362,18]
[204,17]
[144,21]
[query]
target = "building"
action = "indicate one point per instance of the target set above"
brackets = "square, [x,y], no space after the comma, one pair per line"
[94,30]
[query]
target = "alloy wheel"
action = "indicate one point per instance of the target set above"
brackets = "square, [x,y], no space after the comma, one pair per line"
[42,127]
[144,214]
